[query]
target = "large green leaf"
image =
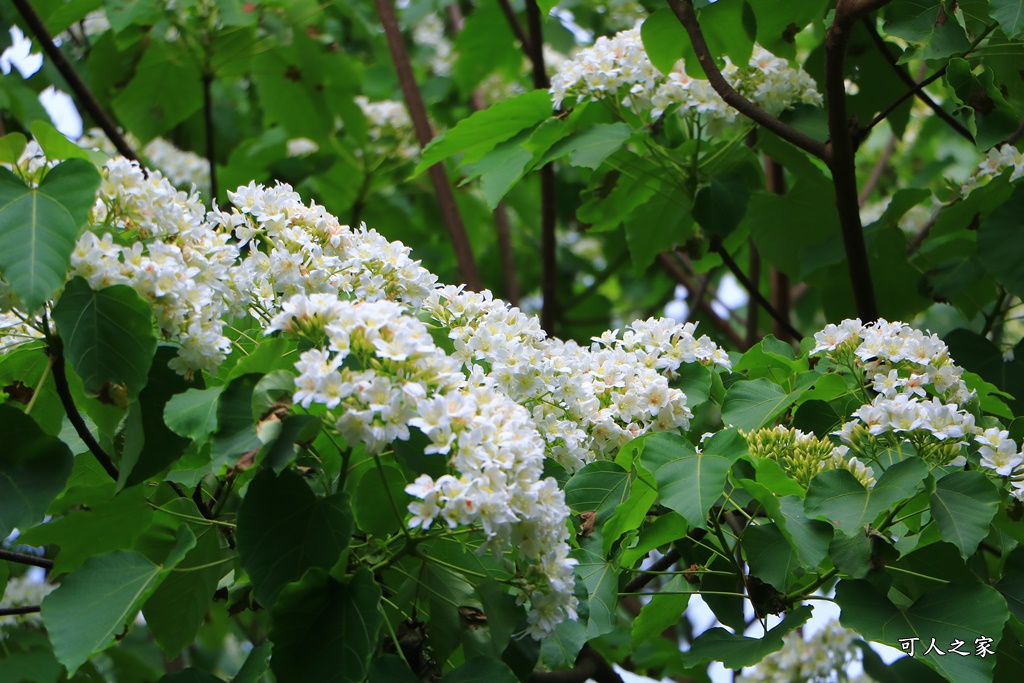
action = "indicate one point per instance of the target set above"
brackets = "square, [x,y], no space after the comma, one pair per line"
[34,468]
[285,529]
[236,424]
[324,630]
[999,249]
[737,651]
[481,670]
[256,664]
[663,37]
[954,612]
[690,482]
[146,105]
[95,602]
[632,512]
[479,133]
[599,487]
[928,25]
[662,612]
[1010,15]
[771,556]
[838,497]
[601,580]
[176,609]
[193,414]
[108,337]
[963,505]
[753,404]
[39,227]
[379,500]
[591,146]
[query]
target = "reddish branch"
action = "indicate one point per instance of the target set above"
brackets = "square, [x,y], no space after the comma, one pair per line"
[684,11]
[841,160]
[424,134]
[548,206]
[83,95]
[775,181]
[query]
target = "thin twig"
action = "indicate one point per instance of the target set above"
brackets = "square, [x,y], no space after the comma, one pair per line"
[904,76]
[863,131]
[60,381]
[16,611]
[754,267]
[672,267]
[211,145]
[684,11]
[775,181]
[81,91]
[548,207]
[424,134]
[876,172]
[22,558]
[662,564]
[517,28]
[842,159]
[753,290]
[590,665]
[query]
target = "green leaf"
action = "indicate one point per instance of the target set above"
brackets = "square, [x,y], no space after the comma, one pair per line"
[591,146]
[663,37]
[955,611]
[390,669]
[178,607]
[483,45]
[632,512]
[770,555]
[656,225]
[193,414]
[375,496]
[481,670]
[810,537]
[236,424]
[599,487]
[56,146]
[722,203]
[737,651]
[108,336]
[190,675]
[85,532]
[662,531]
[295,429]
[479,133]
[602,583]
[256,664]
[963,505]
[95,602]
[284,529]
[326,631]
[753,404]
[662,612]
[779,22]
[150,446]
[838,497]
[999,249]
[929,25]
[1010,15]
[147,106]
[39,227]
[560,649]
[34,468]
[11,147]
[501,168]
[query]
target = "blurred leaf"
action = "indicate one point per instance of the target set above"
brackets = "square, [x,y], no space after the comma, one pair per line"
[963,505]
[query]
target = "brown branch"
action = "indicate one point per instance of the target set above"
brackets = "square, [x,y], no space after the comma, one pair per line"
[662,564]
[502,226]
[517,28]
[82,93]
[16,611]
[754,266]
[548,207]
[684,11]
[753,290]
[22,558]
[590,664]
[905,76]
[842,160]
[775,181]
[672,267]
[211,145]
[424,134]
[862,132]
[877,171]
[60,381]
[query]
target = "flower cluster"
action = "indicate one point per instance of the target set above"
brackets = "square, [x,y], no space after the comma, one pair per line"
[495,454]
[802,456]
[586,401]
[997,161]
[390,127]
[23,591]
[823,657]
[919,396]
[184,169]
[619,69]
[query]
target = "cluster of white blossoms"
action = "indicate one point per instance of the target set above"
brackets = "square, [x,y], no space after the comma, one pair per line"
[919,396]
[23,591]
[428,33]
[389,127]
[619,69]
[996,162]
[827,655]
[586,401]
[184,169]
[401,379]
